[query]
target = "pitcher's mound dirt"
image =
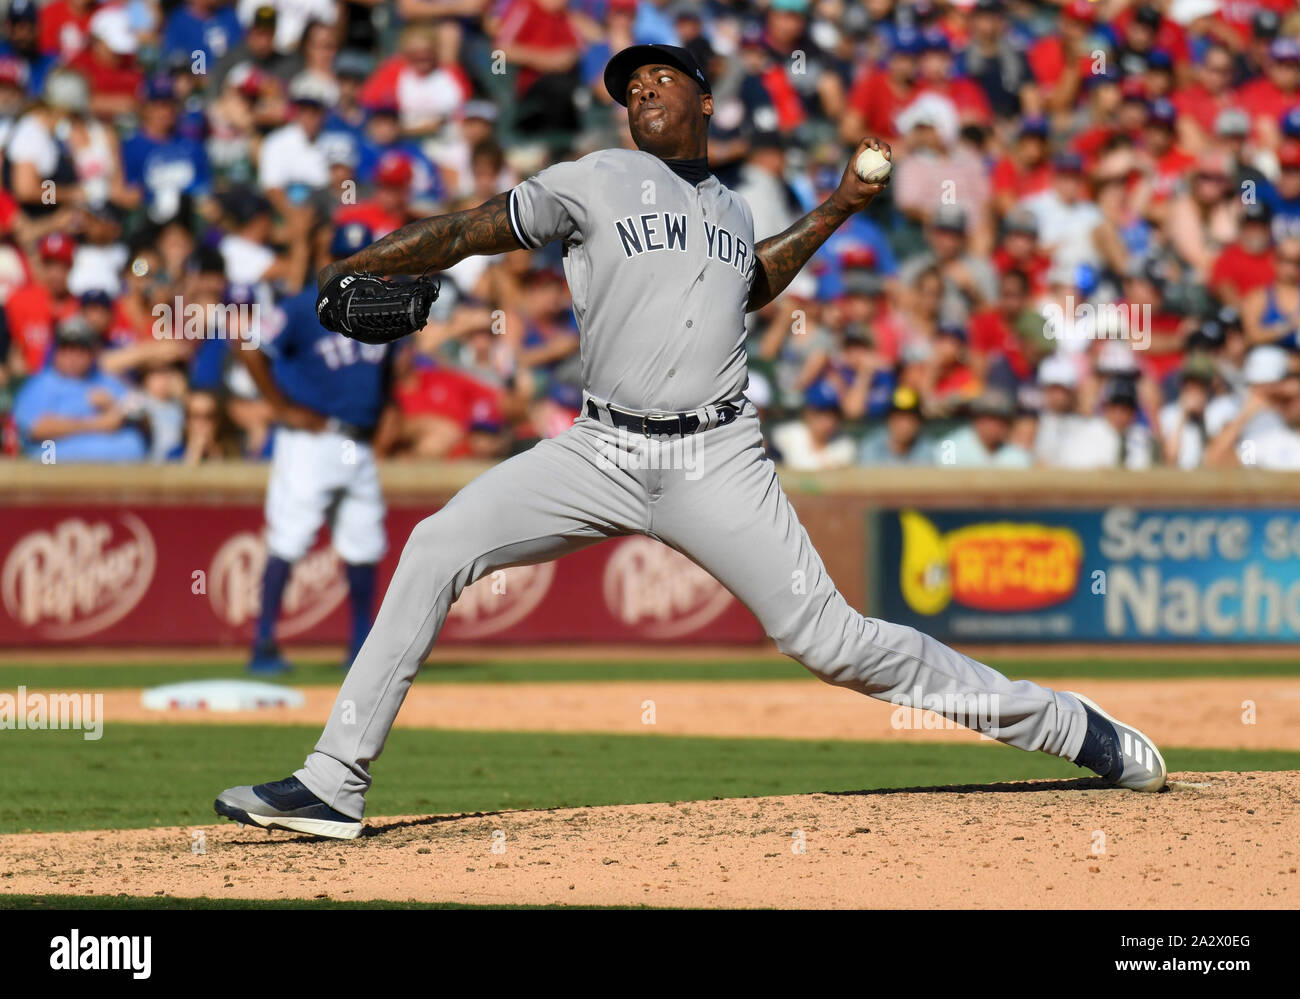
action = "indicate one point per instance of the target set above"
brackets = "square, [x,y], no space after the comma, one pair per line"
[1213,841]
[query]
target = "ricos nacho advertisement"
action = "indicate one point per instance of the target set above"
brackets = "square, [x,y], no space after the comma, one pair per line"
[1116,574]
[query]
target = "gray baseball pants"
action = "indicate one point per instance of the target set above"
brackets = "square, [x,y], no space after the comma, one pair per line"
[724,509]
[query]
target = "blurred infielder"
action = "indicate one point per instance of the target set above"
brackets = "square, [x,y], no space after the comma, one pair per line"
[330,394]
[661,261]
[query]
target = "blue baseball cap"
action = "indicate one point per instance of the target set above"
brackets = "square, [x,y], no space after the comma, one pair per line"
[349,239]
[821,396]
[935,41]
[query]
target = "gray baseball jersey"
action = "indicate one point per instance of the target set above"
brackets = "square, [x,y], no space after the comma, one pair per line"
[660,272]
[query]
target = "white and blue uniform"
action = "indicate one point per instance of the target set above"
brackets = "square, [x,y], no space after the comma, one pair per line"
[330,474]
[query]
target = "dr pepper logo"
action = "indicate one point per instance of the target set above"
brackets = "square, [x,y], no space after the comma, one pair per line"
[79,576]
[992,567]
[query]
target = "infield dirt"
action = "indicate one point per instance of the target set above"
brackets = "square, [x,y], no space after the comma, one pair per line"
[1222,840]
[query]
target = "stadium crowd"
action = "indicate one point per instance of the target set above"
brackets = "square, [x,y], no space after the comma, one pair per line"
[1089,254]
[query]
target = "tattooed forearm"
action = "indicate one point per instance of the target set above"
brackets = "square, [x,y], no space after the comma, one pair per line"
[779,258]
[434,243]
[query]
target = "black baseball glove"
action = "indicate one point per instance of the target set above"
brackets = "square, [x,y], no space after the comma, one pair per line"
[372,310]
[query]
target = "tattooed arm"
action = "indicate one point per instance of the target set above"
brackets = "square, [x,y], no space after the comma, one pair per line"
[779,258]
[434,243]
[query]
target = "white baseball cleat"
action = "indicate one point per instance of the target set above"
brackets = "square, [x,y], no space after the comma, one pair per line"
[1118,752]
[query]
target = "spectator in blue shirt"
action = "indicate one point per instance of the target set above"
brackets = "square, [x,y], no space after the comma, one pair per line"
[156,158]
[82,413]
[207,26]
[21,41]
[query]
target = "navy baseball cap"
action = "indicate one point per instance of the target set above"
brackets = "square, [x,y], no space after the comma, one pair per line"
[621,67]
[349,239]
[1291,123]
[96,296]
[1067,162]
[1159,59]
[1034,126]
[159,87]
[21,11]
[239,293]
[1284,50]
[1163,112]
[907,41]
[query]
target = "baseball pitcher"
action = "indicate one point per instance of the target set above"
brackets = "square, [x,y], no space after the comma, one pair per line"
[662,264]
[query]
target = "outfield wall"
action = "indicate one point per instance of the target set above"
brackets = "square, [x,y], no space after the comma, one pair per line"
[172,556]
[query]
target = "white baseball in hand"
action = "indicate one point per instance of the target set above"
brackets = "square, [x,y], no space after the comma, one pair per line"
[872,166]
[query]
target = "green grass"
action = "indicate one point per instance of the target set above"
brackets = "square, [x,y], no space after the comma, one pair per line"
[55,676]
[145,775]
[171,903]
[72,677]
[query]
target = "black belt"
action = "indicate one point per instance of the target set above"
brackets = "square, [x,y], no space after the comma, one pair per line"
[663,424]
[350,430]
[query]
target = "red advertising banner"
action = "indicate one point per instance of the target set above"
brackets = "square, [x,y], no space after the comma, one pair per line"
[190,574]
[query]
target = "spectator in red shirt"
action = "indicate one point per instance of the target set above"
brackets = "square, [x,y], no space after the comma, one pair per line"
[1246,264]
[1199,102]
[1025,169]
[109,65]
[539,39]
[34,310]
[935,75]
[800,76]
[998,355]
[1144,286]
[1168,163]
[1099,118]
[430,88]
[389,208]
[442,407]
[880,93]
[1019,251]
[1061,60]
[1243,15]
[65,27]
[948,381]
[1268,98]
